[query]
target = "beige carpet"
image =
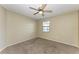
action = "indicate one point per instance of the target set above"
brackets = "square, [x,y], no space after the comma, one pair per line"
[40,46]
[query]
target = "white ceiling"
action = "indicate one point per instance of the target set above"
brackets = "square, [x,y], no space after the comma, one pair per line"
[56,8]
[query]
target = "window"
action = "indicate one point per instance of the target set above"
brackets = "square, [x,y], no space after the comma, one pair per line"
[46,26]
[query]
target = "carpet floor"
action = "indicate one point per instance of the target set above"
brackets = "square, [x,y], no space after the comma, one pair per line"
[40,46]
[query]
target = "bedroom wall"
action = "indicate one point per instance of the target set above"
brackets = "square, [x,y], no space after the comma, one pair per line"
[15,28]
[19,28]
[63,29]
[2,28]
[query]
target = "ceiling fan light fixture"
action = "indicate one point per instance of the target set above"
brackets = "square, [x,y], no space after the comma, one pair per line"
[40,12]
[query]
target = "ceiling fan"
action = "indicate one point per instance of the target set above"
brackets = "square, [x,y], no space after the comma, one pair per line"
[41,10]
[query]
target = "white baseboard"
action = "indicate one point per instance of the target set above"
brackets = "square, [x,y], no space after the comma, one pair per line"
[13,44]
[2,48]
[60,42]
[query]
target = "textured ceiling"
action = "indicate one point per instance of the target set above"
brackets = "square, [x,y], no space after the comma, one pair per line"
[56,8]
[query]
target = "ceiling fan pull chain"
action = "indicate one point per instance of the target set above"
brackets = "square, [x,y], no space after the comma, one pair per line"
[43,17]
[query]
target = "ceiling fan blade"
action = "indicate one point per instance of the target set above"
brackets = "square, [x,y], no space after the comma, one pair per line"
[43,6]
[48,11]
[35,13]
[32,8]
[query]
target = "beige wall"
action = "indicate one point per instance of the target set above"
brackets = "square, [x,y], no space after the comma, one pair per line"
[2,28]
[63,28]
[15,28]
[78,26]
[19,28]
